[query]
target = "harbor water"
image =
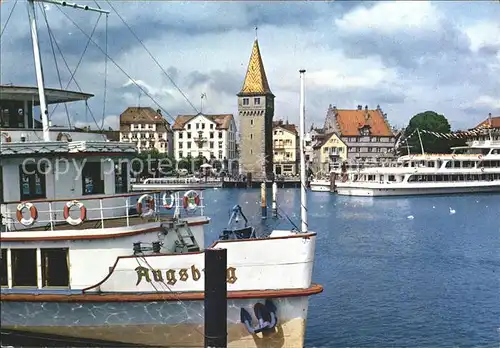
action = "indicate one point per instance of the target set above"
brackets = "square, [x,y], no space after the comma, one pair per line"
[397,272]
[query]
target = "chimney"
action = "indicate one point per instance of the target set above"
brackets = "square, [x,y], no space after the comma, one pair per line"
[378,107]
[360,107]
[366,107]
[158,111]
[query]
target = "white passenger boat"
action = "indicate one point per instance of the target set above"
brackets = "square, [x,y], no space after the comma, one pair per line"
[320,185]
[153,184]
[468,169]
[79,259]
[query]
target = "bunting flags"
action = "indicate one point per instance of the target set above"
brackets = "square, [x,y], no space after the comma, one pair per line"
[455,135]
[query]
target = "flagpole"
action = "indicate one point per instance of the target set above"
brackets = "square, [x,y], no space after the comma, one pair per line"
[490,125]
[420,139]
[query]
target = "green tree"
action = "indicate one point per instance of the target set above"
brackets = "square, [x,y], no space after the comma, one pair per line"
[431,121]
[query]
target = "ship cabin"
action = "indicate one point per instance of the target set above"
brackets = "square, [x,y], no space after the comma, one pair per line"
[66,202]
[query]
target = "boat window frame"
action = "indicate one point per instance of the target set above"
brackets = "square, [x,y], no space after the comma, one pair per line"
[31,171]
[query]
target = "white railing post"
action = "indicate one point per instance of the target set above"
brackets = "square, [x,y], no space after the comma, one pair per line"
[202,201]
[50,217]
[102,213]
[127,204]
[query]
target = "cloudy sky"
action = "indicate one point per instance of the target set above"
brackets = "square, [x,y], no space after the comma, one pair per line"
[408,57]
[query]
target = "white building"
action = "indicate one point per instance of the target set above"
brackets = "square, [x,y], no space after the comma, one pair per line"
[147,128]
[209,136]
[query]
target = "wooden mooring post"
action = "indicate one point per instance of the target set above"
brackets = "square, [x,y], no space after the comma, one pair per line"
[215,298]
[263,200]
[274,205]
[332,182]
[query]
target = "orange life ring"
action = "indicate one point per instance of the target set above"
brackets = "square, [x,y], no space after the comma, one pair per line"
[165,201]
[33,214]
[453,156]
[150,204]
[69,219]
[480,157]
[191,200]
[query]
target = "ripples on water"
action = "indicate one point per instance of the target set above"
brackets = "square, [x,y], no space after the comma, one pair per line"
[393,281]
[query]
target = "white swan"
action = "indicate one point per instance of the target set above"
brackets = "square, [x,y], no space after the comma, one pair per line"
[452,211]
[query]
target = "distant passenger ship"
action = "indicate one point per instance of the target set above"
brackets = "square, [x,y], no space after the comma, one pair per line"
[468,169]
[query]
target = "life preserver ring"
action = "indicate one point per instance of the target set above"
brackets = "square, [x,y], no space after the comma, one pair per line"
[480,157]
[482,169]
[344,178]
[68,218]
[33,214]
[191,200]
[165,202]
[453,157]
[6,136]
[150,204]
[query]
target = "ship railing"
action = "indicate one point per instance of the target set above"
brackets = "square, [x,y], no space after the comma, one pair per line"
[118,210]
[190,180]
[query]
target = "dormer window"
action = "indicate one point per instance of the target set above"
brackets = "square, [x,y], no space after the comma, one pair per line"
[245,101]
[256,101]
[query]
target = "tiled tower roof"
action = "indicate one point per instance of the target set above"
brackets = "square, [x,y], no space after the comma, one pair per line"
[255,80]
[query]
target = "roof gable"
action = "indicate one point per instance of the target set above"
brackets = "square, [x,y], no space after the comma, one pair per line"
[142,115]
[350,122]
[326,139]
[495,123]
[222,121]
[289,127]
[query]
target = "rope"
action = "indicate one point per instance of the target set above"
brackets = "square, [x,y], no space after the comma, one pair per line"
[105,74]
[152,57]
[117,65]
[8,18]
[55,60]
[73,73]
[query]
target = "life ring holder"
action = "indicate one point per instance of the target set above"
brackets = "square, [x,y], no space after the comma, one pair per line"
[6,136]
[191,200]
[165,202]
[80,219]
[150,205]
[33,213]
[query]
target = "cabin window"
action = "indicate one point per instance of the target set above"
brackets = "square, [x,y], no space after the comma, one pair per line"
[92,182]
[121,177]
[3,268]
[24,267]
[55,270]
[32,181]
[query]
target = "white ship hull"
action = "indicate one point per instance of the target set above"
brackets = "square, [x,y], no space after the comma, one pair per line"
[375,190]
[155,323]
[156,299]
[320,186]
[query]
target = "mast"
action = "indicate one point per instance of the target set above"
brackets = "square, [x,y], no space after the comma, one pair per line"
[38,59]
[303,194]
[39,71]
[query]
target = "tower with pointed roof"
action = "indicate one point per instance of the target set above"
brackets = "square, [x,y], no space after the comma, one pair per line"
[256,111]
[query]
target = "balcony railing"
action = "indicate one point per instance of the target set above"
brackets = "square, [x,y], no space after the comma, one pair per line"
[100,212]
